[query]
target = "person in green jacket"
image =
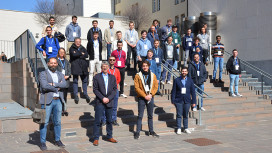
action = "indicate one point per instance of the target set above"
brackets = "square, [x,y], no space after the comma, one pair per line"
[176,41]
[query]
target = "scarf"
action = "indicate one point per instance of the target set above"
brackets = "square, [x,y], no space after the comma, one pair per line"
[149,76]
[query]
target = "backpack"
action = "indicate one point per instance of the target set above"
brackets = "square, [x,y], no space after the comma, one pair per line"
[44,38]
[59,36]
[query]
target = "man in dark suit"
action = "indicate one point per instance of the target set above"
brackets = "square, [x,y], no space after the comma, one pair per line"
[51,83]
[104,87]
[183,95]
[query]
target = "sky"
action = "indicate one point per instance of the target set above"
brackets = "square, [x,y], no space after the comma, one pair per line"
[18,5]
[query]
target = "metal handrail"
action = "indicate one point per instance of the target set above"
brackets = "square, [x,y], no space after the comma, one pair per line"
[258,70]
[180,74]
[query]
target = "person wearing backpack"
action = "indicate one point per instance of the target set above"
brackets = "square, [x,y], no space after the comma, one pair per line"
[48,45]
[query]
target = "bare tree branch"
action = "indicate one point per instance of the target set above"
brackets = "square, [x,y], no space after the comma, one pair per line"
[46,8]
[139,14]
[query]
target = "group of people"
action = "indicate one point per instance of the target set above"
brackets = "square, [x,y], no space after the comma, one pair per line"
[156,46]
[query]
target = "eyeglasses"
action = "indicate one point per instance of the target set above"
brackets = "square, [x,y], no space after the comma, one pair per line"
[112,59]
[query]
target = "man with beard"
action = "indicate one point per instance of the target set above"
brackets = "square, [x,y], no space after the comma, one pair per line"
[51,83]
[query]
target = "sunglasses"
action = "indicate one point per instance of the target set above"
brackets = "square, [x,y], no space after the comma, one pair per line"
[112,59]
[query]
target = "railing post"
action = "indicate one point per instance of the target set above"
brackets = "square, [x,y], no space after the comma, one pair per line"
[262,82]
[21,47]
[199,110]
[27,40]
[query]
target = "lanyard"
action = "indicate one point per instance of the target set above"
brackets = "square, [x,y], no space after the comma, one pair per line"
[131,33]
[150,61]
[236,61]
[51,40]
[111,32]
[156,51]
[96,29]
[95,45]
[183,81]
[144,41]
[218,45]
[63,64]
[169,29]
[145,78]
[119,55]
[113,71]
[197,65]
[74,28]
[203,36]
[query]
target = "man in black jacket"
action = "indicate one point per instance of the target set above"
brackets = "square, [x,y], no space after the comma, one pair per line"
[79,67]
[198,73]
[234,68]
[94,29]
[94,49]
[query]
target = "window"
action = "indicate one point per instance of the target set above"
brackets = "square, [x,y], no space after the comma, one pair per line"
[176,2]
[153,6]
[158,5]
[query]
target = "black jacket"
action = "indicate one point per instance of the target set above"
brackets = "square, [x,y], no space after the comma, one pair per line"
[175,54]
[231,66]
[90,50]
[192,73]
[79,64]
[90,34]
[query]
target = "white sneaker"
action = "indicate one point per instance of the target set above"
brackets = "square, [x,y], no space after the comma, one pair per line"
[238,95]
[202,108]
[233,95]
[187,131]
[123,95]
[179,131]
[90,85]
[169,82]
[194,109]
[162,82]
[125,84]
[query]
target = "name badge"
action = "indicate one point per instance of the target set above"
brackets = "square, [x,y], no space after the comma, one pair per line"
[146,88]
[219,53]
[145,46]
[176,41]
[63,72]
[50,49]
[131,39]
[169,52]
[236,67]
[194,49]
[189,44]
[157,60]
[112,38]
[74,34]
[203,41]
[183,90]
[119,63]
[198,72]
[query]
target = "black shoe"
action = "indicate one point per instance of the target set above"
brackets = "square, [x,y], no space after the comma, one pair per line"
[159,93]
[115,123]
[43,146]
[104,123]
[136,135]
[59,144]
[76,99]
[154,134]
[88,99]
[212,80]
[220,81]
[65,113]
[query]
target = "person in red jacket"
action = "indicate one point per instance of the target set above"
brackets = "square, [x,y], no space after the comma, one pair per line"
[120,57]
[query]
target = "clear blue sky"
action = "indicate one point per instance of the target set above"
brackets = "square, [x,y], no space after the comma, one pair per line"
[18,5]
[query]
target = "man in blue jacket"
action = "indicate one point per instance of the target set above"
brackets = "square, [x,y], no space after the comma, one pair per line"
[187,43]
[143,45]
[50,44]
[153,65]
[72,31]
[158,56]
[197,71]
[152,35]
[193,49]
[183,96]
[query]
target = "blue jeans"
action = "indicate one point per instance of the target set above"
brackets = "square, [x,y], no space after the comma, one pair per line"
[201,86]
[141,107]
[234,79]
[108,51]
[220,61]
[182,110]
[176,62]
[54,107]
[99,109]
[84,79]
[164,70]
[159,75]
[114,108]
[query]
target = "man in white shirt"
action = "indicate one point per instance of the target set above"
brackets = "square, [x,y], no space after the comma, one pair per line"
[119,38]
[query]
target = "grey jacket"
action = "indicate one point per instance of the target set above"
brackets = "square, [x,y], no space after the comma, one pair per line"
[67,69]
[50,90]
[70,29]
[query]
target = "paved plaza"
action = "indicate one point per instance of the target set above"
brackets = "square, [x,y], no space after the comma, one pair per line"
[255,138]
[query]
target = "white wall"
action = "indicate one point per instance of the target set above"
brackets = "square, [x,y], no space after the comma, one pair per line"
[15,23]
[91,7]
[243,24]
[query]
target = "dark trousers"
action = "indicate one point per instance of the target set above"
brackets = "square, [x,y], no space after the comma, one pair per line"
[140,63]
[108,51]
[182,111]
[99,111]
[205,55]
[141,107]
[84,79]
[134,55]
[122,74]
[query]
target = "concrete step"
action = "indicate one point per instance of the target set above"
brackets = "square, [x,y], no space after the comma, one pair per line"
[254,83]
[260,88]
[249,79]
